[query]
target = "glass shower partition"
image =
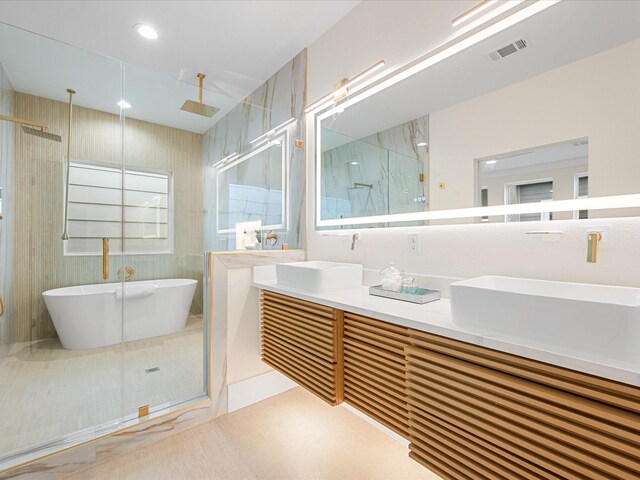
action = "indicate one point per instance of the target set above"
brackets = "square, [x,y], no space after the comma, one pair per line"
[61,354]
[166,341]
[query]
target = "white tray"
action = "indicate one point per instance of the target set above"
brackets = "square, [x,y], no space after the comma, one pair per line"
[423,295]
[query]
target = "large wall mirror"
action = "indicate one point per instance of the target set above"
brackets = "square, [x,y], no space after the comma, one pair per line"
[538,121]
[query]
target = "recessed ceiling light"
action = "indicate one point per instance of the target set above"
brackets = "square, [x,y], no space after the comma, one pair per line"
[491,162]
[124,104]
[145,31]
[422,144]
[354,163]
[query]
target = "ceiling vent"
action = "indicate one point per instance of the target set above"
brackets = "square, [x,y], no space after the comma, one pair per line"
[509,49]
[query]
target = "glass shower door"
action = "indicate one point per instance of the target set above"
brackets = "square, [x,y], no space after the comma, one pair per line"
[165,345]
[60,335]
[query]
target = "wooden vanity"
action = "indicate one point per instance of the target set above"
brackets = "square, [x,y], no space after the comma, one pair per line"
[469,412]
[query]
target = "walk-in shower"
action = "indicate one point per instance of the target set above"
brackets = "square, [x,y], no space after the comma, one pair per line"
[133,177]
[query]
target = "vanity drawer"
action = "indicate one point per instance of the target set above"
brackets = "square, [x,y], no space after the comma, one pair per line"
[302,340]
[476,414]
[375,370]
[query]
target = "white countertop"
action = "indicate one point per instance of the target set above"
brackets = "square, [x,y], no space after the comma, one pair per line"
[435,317]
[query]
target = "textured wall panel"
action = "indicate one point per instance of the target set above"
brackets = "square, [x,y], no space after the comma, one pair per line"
[39,183]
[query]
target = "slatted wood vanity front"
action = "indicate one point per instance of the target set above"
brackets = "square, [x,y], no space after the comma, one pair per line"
[469,412]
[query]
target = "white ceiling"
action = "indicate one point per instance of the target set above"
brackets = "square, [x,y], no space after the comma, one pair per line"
[564,33]
[238,44]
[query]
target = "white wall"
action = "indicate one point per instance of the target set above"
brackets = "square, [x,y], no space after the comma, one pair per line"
[398,31]
[394,31]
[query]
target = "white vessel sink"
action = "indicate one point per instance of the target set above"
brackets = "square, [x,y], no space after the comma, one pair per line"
[597,320]
[319,277]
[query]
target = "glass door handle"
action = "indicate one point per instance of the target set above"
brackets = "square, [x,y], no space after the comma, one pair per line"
[1,306]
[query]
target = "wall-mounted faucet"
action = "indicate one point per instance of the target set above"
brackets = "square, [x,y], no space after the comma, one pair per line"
[592,246]
[272,238]
[354,238]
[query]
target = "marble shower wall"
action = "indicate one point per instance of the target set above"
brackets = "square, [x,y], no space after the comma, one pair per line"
[378,174]
[280,98]
[7,327]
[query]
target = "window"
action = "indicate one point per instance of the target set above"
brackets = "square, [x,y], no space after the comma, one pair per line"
[534,192]
[96,209]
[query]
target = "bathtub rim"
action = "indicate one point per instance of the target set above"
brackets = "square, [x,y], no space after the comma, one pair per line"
[112,287]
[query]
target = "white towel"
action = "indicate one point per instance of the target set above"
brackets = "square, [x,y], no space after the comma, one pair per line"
[135,291]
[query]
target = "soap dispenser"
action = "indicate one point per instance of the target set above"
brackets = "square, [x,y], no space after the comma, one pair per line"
[391,278]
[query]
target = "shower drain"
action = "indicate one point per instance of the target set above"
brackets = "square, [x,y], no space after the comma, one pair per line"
[151,370]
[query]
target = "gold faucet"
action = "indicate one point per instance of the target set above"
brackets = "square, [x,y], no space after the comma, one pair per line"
[592,246]
[105,258]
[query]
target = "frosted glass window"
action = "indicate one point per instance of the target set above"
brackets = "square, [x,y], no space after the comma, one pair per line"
[97,204]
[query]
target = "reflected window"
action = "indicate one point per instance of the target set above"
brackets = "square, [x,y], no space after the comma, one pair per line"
[534,192]
[484,201]
[542,173]
[96,207]
[581,189]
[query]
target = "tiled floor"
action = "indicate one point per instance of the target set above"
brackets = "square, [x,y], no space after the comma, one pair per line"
[292,436]
[47,391]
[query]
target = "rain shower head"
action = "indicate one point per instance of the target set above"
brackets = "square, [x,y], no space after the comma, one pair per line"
[33,128]
[198,107]
[36,132]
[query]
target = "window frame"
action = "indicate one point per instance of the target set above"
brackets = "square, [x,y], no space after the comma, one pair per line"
[123,169]
[533,181]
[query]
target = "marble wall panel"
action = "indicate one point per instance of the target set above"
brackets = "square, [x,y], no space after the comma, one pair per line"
[236,331]
[279,99]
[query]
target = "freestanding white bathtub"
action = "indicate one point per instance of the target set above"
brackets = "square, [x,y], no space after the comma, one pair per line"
[91,316]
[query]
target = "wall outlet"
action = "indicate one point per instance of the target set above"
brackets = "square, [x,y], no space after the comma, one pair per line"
[414,244]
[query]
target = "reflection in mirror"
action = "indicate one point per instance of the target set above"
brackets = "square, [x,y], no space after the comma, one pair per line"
[378,174]
[250,187]
[539,174]
[533,84]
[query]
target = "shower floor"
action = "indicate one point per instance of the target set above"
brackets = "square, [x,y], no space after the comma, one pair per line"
[48,391]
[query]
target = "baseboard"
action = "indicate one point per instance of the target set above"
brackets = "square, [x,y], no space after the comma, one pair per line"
[376,424]
[252,390]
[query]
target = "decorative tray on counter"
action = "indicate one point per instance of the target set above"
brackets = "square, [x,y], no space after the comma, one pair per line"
[422,295]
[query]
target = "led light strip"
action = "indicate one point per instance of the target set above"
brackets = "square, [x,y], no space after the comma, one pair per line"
[226,159]
[472,12]
[594,203]
[273,131]
[328,98]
